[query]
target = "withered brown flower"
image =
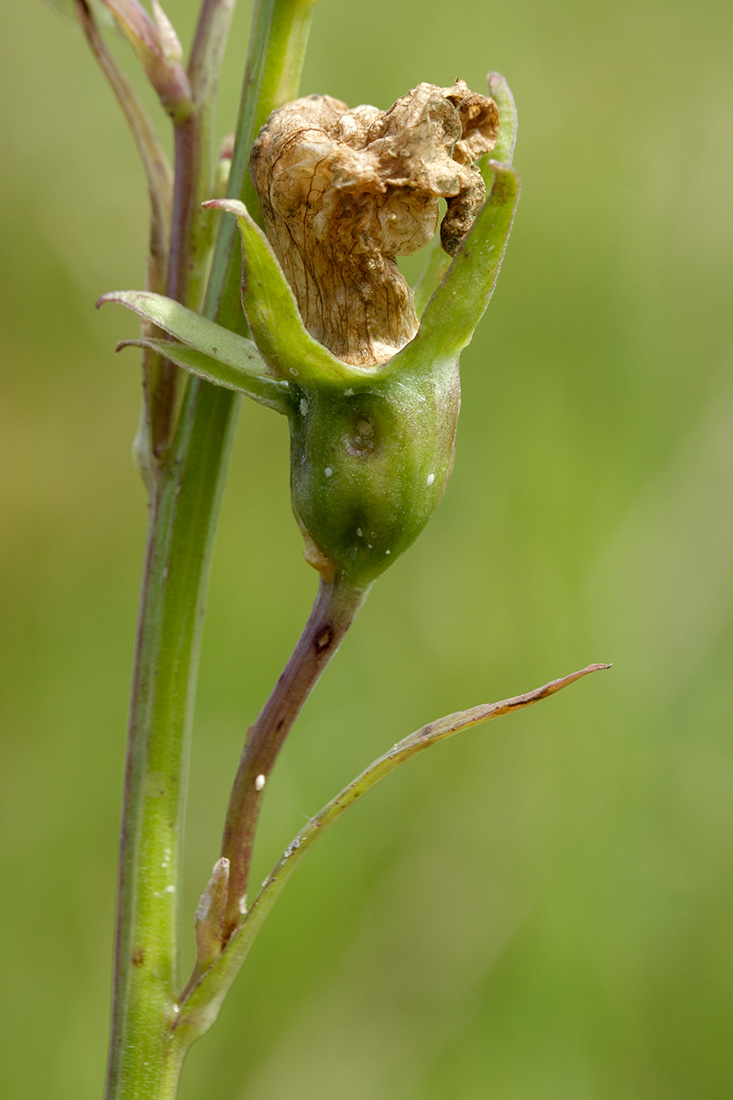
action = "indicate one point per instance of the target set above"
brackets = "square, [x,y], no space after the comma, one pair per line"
[344,192]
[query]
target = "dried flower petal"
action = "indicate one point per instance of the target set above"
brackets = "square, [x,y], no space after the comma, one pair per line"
[345,192]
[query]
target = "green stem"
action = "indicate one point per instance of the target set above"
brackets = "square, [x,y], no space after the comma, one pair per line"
[182,527]
[185,268]
[145,1060]
[275,58]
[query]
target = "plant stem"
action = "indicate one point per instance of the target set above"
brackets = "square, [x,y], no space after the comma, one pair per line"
[333,612]
[275,58]
[181,536]
[144,1059]
[190,236]
[187,260]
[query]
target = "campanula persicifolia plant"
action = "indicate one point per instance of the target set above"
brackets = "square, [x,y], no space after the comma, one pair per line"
[317,323]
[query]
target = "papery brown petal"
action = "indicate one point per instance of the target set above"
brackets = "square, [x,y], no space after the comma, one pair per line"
[343,193]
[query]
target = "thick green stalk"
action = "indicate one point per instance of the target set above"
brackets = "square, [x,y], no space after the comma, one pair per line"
[179,550]
[274,62]
[143,1062]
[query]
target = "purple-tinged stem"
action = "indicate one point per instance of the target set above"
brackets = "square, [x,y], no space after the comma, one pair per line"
[333,612]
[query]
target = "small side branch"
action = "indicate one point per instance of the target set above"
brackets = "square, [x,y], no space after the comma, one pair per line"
[333,612]
[200,1002]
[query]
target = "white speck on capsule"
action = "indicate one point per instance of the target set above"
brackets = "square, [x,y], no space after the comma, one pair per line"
[260,782]
[388,551]
[349,392]
[328,471]
[303,406]
[359,532]
[431,479]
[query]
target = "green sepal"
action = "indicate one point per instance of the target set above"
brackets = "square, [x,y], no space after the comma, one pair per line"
[460,300]
[438,261]
[193,330]
[267,391]
[273,316]
[501,94]
[433,273]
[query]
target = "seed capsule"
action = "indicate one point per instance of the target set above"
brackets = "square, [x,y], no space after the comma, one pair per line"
[368,469]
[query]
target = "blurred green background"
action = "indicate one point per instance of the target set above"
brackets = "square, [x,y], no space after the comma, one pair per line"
[543,908]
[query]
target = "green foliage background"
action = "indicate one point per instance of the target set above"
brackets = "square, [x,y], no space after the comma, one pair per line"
[543,908]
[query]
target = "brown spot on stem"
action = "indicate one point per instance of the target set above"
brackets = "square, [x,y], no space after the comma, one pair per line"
[323,639]
[138,957]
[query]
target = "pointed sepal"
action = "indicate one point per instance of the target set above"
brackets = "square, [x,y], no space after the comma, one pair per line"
[192,329]
[266,391]
[438,261]
[459,303]
[273,316]
[502,96]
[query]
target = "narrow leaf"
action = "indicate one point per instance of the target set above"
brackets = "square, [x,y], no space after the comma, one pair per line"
[201,1005]
[410,746]
[192,329]
[266,391]
[156,54]
[207,51]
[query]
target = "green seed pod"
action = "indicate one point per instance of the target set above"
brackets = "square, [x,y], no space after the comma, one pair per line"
[369,466]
